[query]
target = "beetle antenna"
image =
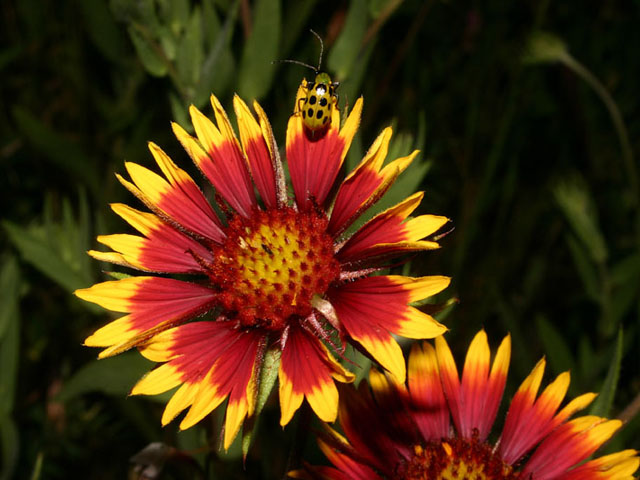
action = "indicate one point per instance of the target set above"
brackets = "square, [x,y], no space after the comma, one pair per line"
[321,48]
[297,63]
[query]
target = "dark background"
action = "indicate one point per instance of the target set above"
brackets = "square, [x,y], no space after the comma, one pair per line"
[527,115]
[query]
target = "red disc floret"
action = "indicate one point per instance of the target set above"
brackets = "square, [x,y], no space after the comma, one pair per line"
[271,265]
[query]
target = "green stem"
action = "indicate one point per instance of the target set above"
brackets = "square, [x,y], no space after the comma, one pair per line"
[618,123]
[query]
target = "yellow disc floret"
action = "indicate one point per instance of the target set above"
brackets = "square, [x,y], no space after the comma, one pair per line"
[455,459]
[271,265]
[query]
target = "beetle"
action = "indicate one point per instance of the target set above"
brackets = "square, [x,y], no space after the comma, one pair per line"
[321,98]
[319,103]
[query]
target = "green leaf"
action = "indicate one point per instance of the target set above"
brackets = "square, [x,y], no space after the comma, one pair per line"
[9,289]
[268,376]
[9,362]
[622,300]
[118,275]
[40,250]
[102,29]
[351,88]
[218,66]
[149,51]
[177,14]
[348,46]
[626,270]
[211,23]
[295,20]
[362,364]
[9,442]
[586,268]
[113,376]
[57,247]
[602,405]
[180,111]
[64,154]
[544,47]
[557,351]
[191,53]
[9,334]
[587,359]
[37,466]
[573,198]
[256,69]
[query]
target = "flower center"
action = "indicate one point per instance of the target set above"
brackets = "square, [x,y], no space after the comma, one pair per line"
[456,459]
[271,265]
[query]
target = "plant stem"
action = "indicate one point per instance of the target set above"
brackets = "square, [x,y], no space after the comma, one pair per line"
[618,123]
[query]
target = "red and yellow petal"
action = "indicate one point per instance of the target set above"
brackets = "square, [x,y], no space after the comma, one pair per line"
[366,184]
[495,387]
[370,308]
[473,386]
[163,250]
[307,369]
[392,400]
[153,304]
[257,153]
[428,404]
[219,156]
[278,168]
[212,361]
[480,389]
[616,466]
[372,439]
[389,234]
[569,445]
[528,419]
[575,405]
[346,467]
[179,199]
[449,377]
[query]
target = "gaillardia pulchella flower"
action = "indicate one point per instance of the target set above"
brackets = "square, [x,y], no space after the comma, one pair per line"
[398,432]
[263,270]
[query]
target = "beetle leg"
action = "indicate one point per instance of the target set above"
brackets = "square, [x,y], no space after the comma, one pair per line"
[299,107]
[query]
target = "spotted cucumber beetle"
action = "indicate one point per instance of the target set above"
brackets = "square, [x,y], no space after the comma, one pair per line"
[321,98]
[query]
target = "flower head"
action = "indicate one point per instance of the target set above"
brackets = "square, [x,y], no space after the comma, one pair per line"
[398,432]
[263,271]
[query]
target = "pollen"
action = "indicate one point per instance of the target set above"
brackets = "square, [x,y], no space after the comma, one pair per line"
[271,265]
[455,459]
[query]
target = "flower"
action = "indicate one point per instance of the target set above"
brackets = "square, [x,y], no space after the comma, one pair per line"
[398,432]
[263,272]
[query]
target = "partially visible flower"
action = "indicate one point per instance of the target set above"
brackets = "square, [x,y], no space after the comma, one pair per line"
[393,432]
[263,272]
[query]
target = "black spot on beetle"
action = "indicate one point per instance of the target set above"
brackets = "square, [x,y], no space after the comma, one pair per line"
[310,112]
[319,114]
[323,102]
[325,120]
[312,100]
[304,114]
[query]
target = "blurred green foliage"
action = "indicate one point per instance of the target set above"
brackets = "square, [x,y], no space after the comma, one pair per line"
[526,117]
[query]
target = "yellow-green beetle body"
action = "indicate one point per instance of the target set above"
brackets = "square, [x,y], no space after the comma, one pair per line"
[317,107]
